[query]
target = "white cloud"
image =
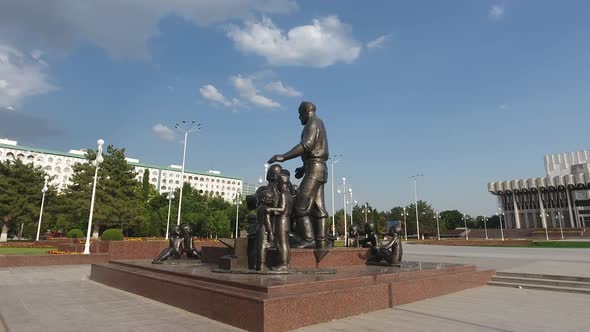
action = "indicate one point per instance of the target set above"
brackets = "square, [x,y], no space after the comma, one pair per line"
[378,42]
[211,93]
[280,88]
[247,90]
[323,43]
[121,27]
[9,108]
[163,132]
[21,76]
[504,106]
[496,12]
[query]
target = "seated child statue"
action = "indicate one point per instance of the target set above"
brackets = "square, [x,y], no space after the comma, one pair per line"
[353,236]
[391,252]
[174,249]
[371,241]
[264,229]
[188,246]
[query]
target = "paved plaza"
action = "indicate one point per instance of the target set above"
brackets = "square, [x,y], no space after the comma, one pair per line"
[61,298]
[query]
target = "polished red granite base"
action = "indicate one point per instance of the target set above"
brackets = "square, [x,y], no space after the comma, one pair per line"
[284,302]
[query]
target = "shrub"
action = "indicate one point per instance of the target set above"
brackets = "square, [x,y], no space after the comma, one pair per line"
[75,233]
[112,234]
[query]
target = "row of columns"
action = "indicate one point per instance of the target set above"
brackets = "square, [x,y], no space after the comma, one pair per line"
[522,206]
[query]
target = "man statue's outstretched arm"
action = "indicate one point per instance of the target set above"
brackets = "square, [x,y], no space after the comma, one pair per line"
[296,151]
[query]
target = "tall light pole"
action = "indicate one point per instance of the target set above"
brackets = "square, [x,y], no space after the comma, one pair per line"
[44,190]
[560,218]
[415,178]
[437,226]
[485,226]
[96,163]
[500,214]
[170,197]
[334,159]
[184,128]
[351,204]
[366,210]
[466,230]
[543,215]
[237,212]
[344,206]
[405,214]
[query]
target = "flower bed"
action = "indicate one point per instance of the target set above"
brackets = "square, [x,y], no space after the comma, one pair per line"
[25,245]
[59,252]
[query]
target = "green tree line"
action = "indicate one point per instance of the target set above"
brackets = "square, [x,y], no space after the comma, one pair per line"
[121,201]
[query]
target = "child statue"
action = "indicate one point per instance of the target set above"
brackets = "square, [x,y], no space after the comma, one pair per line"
[282,219]
[174,249]
[188,246]
[391,252]
[353,236]
[264,232]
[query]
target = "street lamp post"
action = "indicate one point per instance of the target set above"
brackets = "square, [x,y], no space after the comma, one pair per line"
[366,210]
[170,197]
[466,230]
[500,214]
[237,213]
[351,204]
[437,226]
[414,178]
[405,224]
[44,190]
[184,128]
[334,159]
[344,207]
[485,226]
[96,163]
[545,224]
[559,217]
[261,179]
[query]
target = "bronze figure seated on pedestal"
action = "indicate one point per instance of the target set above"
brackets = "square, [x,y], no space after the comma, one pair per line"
[180,242]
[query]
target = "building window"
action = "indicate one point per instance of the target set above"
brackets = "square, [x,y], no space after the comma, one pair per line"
[10,155]
[57,169]
[177,182]
[163,188]
[21,157]
[154,180]
[58,161]
[50,160]
[48,168]
[68,162]
[30,158]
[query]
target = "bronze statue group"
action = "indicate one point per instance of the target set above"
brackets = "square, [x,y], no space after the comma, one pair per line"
[290,216]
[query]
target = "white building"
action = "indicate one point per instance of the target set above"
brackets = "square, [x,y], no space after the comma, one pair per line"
[562,196]
[165,178]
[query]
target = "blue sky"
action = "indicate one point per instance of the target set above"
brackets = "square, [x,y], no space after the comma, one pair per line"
[464,92]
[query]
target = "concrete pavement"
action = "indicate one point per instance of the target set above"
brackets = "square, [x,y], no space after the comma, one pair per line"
[61,298]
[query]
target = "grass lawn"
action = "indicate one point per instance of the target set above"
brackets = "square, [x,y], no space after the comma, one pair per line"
[24,251]
[560,244]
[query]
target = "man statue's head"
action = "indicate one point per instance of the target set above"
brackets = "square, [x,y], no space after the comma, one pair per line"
[306,110]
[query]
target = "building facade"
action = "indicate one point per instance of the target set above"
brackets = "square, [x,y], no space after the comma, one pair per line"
[165,178]
[560,198]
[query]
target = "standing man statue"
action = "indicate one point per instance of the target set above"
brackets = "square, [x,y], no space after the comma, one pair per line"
[309,202]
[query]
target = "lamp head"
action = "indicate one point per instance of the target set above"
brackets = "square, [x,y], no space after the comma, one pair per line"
[44,190]
[46,177]
[100,142]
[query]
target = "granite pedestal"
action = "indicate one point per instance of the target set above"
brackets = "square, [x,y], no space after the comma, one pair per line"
[284,302]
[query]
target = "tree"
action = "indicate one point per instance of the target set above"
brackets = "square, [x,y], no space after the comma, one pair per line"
[20,194]
[452,219]
[118,201]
